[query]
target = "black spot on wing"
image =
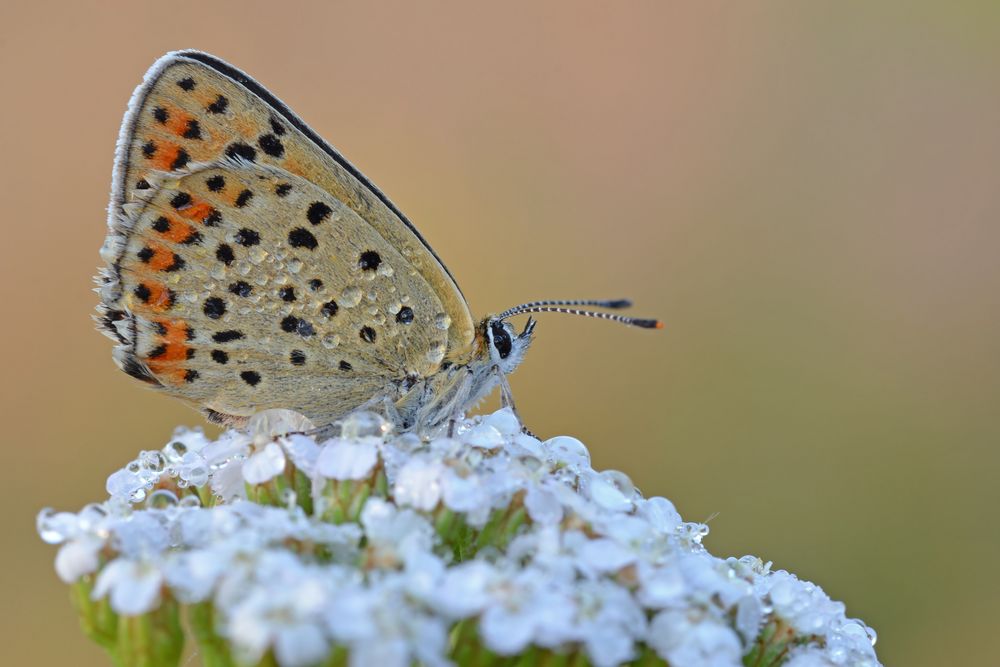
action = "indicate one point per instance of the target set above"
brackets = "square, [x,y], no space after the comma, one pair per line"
[301,237]
[224,253]
[215,183]
[271,145]
[318,212]
[241,150]
[227,336]
[218,106]
[252,378]
[214,307]
[243,198]
[241,288]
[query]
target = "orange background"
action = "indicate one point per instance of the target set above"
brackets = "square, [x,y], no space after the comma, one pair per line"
[807,194]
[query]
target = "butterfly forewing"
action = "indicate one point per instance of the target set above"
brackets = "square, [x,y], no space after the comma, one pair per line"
[251,268]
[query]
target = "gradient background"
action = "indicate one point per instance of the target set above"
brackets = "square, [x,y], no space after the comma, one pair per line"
[807,193]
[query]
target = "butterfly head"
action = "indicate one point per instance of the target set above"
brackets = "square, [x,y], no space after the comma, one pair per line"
[505,347]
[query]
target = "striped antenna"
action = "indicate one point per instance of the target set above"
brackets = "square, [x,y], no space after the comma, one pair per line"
[611,303]
[551,307]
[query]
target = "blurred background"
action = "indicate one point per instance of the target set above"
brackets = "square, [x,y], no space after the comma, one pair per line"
[807,193]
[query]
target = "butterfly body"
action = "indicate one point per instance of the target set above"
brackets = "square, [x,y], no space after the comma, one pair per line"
[250,266]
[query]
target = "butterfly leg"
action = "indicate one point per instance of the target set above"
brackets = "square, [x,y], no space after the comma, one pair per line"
[507,399]
[462,394]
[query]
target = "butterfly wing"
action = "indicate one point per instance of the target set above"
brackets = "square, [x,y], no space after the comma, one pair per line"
[250,266]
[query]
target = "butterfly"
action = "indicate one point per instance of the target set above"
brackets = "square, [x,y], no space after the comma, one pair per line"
[250,266]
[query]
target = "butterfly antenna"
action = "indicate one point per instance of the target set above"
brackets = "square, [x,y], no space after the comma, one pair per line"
[548,307]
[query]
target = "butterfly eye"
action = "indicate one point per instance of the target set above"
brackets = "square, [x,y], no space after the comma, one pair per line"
[501,339]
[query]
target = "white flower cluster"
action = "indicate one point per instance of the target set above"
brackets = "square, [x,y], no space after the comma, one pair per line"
[402,550]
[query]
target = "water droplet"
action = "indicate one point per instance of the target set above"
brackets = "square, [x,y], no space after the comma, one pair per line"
[295,265]
[243,267]
[257,254]
[153,461]
[442,321]
[331,341]
[350,297]
[175,451]
[191,502]
[55,527]
[218,271]
[363,424]
[620,481]
[385,270]
[405,298]
[161,499]
[371,296]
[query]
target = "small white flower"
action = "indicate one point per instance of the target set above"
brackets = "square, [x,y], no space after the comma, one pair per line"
[418,484]
[78,557]
[394,533]
[660,586]
[193,575]
[132,586]
[543,505]
[227,481]
[694,639]
[303,452]
[346,459]
[463,590]
[265,464]
[284,611]
[469,495]
[603,556]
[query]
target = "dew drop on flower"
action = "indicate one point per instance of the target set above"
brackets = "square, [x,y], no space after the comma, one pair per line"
[152,460]
[193,469]
[55,527]
[175,451]
[126,484]
[620,481]
[363,423]
[161,499]
[483,436]
[567,450]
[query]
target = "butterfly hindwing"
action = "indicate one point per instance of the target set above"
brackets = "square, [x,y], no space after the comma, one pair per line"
[251,267]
